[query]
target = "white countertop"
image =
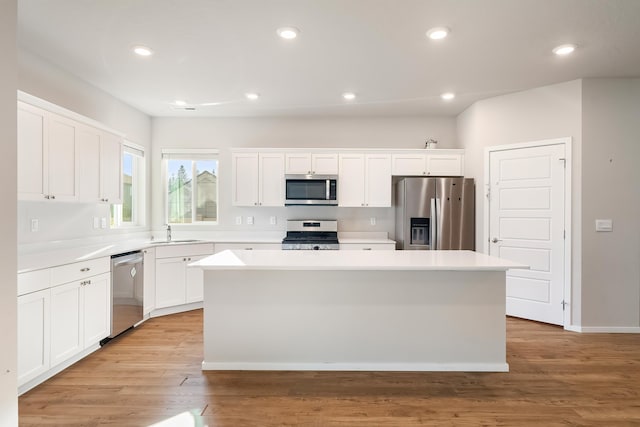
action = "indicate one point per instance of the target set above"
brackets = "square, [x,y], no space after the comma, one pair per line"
[355,260]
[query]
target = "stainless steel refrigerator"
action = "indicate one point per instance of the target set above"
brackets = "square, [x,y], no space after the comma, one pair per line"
[435,213]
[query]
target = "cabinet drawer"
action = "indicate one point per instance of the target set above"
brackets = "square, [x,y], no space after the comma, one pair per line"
[171,251]
[79,270]
[368,246]
[248,246]
[33,281]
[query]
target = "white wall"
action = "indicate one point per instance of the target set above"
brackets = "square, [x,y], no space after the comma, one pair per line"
[542,113]
[8,253]
[611,183]
[406,132]
[44,80]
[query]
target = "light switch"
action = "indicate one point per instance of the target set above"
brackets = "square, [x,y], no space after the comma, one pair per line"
[238,220]
[35,225]
[273,220]
[249,220]
[372,220]
[103,222]
[96,222]
[604,225]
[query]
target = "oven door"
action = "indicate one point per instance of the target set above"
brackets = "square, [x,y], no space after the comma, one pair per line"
[311,190]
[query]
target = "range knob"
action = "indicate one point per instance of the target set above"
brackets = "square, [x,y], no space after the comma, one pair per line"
[316,247]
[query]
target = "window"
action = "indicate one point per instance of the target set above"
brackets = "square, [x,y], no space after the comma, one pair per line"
[131,211]
[191,186]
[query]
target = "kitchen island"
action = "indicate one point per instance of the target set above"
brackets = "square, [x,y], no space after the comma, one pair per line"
[368,310]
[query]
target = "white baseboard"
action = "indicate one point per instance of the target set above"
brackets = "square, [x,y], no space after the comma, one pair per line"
[404,367]
[175,309]
[611,329]
[56,369]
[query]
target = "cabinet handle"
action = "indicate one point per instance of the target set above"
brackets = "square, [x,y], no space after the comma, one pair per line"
[366,249]
[85,269]
[88,282]
[248,249]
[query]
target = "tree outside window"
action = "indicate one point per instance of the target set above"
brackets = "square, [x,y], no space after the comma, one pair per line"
[192,191]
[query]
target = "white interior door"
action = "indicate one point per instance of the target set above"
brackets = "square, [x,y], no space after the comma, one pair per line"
[526,224]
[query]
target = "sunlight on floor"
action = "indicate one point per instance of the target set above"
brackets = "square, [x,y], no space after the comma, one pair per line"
[185,419]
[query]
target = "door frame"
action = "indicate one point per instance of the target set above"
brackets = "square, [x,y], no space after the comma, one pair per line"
[567,142]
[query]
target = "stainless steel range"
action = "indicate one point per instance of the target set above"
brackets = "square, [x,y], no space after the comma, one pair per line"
[311,234]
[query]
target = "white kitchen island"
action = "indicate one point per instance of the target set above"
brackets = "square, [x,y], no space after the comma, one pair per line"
[354,310]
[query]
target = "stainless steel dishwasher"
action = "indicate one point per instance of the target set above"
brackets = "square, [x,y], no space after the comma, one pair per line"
[127,279]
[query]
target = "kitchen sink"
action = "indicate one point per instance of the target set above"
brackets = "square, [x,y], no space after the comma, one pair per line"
[164,242]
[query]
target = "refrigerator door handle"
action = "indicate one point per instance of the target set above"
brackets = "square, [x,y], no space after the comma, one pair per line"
[432,225]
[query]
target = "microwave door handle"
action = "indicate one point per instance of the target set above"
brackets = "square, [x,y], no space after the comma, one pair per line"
[328,187]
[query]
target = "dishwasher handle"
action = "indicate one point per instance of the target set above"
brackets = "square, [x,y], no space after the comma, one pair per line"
[128,260]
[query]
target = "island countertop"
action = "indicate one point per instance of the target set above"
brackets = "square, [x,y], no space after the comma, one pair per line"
[355,260]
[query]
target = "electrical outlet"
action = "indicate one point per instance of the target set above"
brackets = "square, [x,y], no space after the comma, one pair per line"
[103,222]
[249,220]
[238,220]
[35,225]
[96,222]
[372,220]
[273,220]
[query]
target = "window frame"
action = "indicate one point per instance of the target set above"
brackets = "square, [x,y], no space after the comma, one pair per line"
[138,185]
[193,155]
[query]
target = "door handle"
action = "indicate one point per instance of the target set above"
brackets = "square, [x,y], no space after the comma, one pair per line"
[496,240]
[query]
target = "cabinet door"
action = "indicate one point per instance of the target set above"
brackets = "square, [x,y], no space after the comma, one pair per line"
[271,182]
[111,168]
[66,322]
[195,281]
[32,153]
[378,180]
[62,160]
[89,164]
[324,164]
[298,163]
[149,292]
[444,165]
[409,164]
[351,184]
[33,335]
[170,281]
[244,181]
[96,293]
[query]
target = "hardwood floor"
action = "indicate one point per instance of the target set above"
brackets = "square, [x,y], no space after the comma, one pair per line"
[557,378]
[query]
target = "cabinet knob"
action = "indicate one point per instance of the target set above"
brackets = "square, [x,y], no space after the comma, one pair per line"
[424,173]
[53,197]
[366,249]
[85,269]
[46,196]
[184,259]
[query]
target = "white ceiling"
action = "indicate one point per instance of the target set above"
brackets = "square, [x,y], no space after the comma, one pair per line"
[217,50]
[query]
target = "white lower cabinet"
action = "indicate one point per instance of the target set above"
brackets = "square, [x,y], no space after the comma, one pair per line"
[62,311]
[33,334]
[80,316]
[247,246]
[176,283]
[149,291]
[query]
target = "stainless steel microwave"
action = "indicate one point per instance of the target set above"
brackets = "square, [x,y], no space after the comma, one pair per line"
[311,190]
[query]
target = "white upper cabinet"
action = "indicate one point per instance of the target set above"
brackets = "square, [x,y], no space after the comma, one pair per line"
[312,163]
[47,156]
[257,179]
[441,163]
[63,159]
[364,180]
[111,168]
[100,168]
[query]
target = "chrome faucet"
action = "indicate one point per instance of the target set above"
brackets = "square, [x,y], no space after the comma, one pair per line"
[168,233]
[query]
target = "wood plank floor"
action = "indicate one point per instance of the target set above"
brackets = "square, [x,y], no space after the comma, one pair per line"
[152,373]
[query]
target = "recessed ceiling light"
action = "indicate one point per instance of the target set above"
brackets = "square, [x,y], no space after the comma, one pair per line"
[448,96]
[252,96]
[142,50]
[564,49]
[349,96]
[438,33]
[288,32]
[180,103]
